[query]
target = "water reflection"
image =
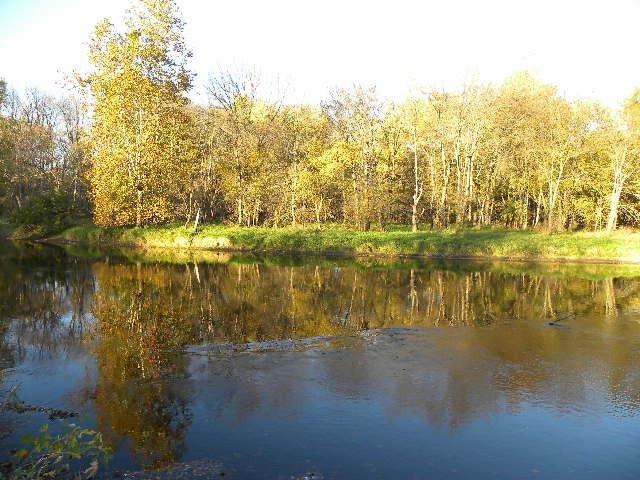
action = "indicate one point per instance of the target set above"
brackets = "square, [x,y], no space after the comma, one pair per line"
[240,303]
[44,301]
[124,324]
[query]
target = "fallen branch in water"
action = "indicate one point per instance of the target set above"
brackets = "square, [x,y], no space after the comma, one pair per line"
[556,322]
[12,403]
[54,413]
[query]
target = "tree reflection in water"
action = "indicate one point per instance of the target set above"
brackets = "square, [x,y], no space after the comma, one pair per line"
[136,319]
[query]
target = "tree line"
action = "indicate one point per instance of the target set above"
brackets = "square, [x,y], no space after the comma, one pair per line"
[43,159]
[130,148]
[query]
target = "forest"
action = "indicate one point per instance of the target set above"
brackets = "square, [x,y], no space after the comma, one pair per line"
[128,147]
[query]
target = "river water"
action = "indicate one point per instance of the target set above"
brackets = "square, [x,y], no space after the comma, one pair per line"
[281,367]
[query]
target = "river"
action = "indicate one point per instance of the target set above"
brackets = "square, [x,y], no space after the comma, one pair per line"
[281,367]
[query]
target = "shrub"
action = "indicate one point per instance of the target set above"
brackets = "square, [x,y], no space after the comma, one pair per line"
[52,212]
[76,454]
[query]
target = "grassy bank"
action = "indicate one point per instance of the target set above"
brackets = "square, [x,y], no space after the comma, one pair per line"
[622,246]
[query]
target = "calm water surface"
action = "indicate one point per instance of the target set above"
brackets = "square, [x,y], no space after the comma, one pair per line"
[280,367]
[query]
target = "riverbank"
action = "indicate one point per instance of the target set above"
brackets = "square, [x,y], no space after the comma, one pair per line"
[620,246]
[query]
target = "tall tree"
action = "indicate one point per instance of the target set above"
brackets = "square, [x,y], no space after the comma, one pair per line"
[357,117]
[143,153]
[625,157]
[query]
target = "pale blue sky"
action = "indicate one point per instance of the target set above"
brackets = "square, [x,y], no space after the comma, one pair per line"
[588,48]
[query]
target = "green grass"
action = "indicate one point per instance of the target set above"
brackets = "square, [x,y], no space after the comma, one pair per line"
[621,246]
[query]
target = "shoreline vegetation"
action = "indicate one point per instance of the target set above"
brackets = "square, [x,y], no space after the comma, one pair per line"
[6,230]
[528,245]
[128,146]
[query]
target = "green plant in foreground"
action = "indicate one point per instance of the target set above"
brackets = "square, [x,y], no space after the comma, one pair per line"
[74,454]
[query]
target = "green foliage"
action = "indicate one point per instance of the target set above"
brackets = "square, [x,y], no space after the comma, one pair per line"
[5,228]
[46,213]
[76,453]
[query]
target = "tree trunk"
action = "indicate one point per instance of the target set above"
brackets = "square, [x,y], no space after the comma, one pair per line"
[139,207]
[612,219]
[619,177]
[417,186]
[293,207]
[445,184]
[414,217]
[294,188]
[195,223]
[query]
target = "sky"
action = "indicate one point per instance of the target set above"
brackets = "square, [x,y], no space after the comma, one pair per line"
[589,49]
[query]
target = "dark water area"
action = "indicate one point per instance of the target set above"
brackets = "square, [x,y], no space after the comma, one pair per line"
[277,367]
